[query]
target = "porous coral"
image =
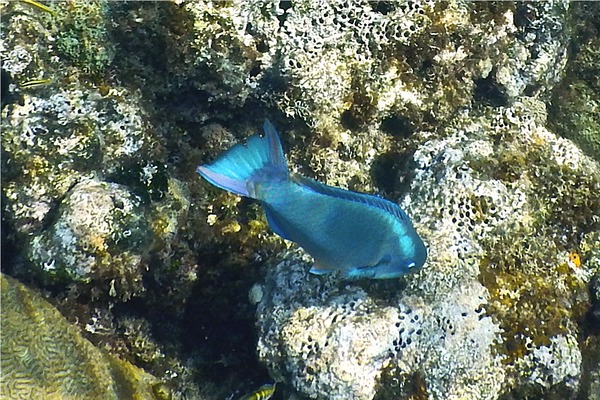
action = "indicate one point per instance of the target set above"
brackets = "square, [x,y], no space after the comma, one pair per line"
[393,61]
[499,297]
[57,137]
[335,340]
[84,181]
[347,68]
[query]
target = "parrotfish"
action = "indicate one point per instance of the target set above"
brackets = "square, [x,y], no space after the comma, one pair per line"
[360,235]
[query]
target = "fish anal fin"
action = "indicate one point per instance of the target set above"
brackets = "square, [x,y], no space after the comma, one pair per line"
[361,272]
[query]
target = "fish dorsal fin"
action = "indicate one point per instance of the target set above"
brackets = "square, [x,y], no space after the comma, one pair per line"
[356,197]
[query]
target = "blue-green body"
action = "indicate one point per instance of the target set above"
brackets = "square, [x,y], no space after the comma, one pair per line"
[361,235]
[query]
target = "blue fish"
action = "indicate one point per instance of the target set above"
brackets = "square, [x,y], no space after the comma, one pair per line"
[360,235]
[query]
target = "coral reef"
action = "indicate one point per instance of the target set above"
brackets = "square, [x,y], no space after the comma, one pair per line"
[59,137]
[44,357]
[496,308]
[360,63]
[107,108]
[100,229]
[574,110]
[83,38]
[85,186]
[336,340]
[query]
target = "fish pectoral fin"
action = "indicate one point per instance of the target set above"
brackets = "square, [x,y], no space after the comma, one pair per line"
[274,223]
[320,269]
[369,271]
[361,272]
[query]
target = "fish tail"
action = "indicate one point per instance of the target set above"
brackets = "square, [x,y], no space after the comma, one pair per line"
[240,168]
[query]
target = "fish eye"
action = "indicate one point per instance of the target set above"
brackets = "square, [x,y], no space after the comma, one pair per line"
[411,265]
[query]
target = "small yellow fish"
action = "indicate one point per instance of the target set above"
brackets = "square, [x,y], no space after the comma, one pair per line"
[35,83]
[39,6]
[262,393]
[575,259]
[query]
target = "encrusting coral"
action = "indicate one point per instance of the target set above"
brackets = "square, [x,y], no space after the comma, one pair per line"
[575,108]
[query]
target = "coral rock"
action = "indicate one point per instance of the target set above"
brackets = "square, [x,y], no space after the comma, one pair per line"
[496,306]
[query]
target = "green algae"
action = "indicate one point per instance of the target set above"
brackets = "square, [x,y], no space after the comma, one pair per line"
[576,112]
[82,36]
[536,268]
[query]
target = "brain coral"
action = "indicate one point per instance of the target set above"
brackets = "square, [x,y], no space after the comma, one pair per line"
[45,357]
[501,202]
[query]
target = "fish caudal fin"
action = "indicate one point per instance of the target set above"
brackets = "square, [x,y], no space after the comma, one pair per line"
[241,167]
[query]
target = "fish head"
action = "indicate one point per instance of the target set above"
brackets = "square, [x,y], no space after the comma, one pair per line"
[399,266]
[410,254]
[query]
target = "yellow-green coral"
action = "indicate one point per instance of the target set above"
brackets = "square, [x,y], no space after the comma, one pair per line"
[503,204]
[576,114]
[241,228]
[167,214]
[532,308]
[536,265]
[45,357]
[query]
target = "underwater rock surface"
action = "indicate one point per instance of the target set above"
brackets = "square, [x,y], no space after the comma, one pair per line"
[100,227]
[45,357]
[108,107]
[496,307]
[575,109]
